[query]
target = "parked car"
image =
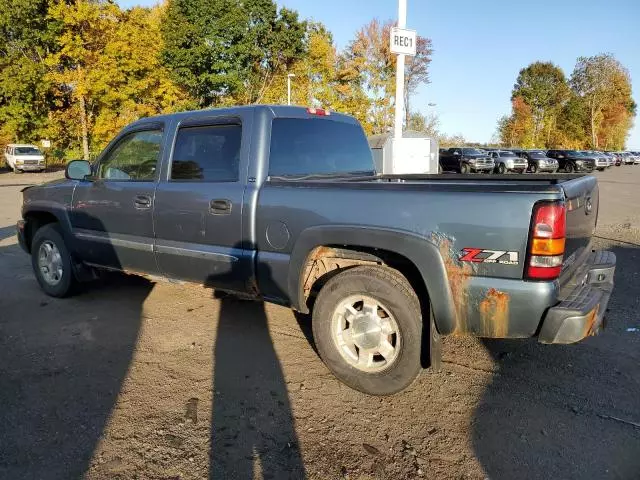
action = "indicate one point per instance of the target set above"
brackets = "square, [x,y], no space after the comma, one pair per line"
[611,157]
[538,161]
[619,160]
[466,159]
[636,158]
[22,158]
[282,204]
[572,160]
[507,161]
[630,158]
[602,161]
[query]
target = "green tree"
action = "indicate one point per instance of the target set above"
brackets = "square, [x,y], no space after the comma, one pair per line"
[571,131]
[26,37]
[205,48]
[226,51]
[426,124]
[543,87]
[275,41]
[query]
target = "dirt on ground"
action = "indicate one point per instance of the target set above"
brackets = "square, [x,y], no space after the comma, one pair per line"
[136,380]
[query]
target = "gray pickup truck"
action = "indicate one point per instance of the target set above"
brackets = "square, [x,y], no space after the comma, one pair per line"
[283,204]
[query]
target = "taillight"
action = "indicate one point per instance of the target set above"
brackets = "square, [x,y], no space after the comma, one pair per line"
[546,250]
[318,111]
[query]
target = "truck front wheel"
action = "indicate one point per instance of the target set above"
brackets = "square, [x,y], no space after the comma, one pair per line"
[367,326]
[51,262]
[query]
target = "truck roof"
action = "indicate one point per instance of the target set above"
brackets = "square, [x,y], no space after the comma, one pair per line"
[273,110]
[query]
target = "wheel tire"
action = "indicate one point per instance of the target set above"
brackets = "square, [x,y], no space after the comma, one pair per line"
[569,168]
[534,168]
[464,168]
[392,290]
[67,283]
[502,169]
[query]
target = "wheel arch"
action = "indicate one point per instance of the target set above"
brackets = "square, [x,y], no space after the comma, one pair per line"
[416,257]
[38,216]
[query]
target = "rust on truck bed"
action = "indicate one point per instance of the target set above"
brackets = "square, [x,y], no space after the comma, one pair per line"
[494,314]
[458,275]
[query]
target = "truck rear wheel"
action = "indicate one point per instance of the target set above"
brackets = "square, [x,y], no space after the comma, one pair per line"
[51,262]
[367,326]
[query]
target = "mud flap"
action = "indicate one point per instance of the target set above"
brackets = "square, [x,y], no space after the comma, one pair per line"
[432,346]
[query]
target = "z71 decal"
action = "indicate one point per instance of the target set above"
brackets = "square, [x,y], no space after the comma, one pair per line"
[479,255]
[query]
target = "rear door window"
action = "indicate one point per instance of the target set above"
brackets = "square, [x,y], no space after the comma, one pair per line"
[208,153]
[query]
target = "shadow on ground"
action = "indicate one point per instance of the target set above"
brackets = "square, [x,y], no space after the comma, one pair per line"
[252,432]
[562,427]
[62,366]
[6,232]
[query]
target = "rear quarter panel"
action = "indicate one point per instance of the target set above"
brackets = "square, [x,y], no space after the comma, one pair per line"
[448,218]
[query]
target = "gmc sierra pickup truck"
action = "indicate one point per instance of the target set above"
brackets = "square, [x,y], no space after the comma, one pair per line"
[283,204]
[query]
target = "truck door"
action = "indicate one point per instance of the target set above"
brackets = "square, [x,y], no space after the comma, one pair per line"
[112,215]
[199,206]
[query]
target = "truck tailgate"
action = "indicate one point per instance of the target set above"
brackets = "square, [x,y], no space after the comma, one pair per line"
[581,196]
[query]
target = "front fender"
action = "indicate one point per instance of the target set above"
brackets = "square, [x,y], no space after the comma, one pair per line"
[38,207]
[423,252]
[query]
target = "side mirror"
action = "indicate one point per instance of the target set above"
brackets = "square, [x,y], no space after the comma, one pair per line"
[78,170]
[456,154]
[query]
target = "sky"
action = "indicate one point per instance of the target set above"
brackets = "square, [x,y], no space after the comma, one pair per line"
[480,46]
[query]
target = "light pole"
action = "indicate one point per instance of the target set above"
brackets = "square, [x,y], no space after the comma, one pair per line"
[402,23]
[289,77]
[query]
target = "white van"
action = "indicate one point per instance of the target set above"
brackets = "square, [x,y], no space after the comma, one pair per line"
[24,158]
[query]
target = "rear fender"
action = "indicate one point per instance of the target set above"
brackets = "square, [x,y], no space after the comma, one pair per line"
[421,251]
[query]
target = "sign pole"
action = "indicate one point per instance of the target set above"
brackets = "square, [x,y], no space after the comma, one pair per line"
[399,113]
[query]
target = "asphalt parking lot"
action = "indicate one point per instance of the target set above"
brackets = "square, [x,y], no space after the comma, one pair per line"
[132,379]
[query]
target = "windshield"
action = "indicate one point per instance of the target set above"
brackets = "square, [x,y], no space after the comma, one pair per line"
[537,154]
[473,151]
[574,153]
[506,153]
[27,151]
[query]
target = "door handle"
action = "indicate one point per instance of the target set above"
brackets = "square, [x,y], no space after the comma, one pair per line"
[142,201]
[220,206]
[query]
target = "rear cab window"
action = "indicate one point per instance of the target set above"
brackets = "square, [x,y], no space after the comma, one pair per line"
[318,146]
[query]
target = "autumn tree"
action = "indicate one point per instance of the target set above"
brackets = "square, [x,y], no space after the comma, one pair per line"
[543,87]
[517,129]
[130,82]
[369,54]
[602,83]
[416,72]
[321,79]
[85,29]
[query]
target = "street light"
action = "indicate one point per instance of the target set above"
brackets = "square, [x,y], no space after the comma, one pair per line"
[289,77]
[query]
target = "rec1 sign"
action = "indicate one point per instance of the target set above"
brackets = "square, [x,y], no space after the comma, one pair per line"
[403,41]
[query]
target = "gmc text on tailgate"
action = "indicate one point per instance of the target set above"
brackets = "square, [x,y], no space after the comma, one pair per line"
[283,204]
